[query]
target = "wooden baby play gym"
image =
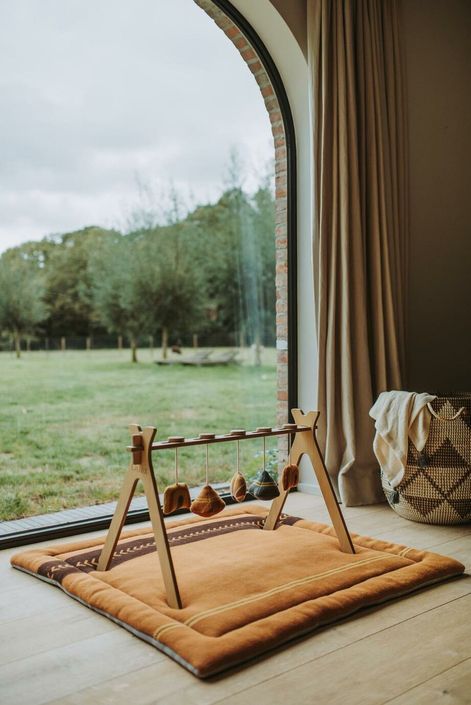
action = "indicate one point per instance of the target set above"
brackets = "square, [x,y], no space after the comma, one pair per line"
[226,587]
[141,468]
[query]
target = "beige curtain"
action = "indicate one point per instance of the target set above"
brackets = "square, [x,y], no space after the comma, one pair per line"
[360,227]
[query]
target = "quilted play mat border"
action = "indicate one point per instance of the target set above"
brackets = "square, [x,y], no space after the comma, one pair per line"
[244,590]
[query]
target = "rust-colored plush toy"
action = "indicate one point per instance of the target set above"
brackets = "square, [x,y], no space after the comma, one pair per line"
[176,496]
[207,503]
[289,476]
[263,487]
[238,487]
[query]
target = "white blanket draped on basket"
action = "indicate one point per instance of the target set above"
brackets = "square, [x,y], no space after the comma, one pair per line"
[399,416]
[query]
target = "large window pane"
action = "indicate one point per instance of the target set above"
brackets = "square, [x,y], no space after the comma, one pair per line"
[137,223]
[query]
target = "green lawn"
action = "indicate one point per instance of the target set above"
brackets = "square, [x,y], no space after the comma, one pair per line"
[64,419]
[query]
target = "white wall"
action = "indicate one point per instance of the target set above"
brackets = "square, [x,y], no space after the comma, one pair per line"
[291,64]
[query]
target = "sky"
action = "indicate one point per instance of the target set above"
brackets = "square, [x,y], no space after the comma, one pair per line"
[106,105]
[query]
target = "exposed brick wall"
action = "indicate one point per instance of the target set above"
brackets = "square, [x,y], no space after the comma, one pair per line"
[249,55]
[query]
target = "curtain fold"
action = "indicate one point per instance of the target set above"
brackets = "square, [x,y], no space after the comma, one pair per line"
[360,227]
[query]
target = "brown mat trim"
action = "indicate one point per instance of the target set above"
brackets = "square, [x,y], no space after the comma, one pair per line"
[87,562]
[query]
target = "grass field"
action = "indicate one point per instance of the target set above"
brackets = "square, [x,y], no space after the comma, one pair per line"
[64,419]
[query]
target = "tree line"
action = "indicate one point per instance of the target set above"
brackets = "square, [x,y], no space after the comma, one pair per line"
[211,270]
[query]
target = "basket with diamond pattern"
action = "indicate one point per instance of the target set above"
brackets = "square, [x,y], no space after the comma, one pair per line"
[436,487]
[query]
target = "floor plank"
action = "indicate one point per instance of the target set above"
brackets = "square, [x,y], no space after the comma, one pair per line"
[423,535]
[50,629]
[40,678]
[31,599]
[376,669]
[179,686]
[459,548]
[452,687]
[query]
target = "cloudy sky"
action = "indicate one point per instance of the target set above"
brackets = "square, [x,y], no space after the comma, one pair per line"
[98,96]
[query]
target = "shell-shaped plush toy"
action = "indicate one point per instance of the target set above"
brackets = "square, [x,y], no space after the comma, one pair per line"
[289,477]
[176,496]
[207,503]
[263,487]
[238,487]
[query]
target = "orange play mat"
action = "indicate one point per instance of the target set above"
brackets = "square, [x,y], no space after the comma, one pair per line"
[244,590]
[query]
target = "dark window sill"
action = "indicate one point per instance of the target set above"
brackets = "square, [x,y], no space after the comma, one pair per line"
[46,527]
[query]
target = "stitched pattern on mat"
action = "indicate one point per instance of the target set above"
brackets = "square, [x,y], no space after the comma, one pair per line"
[191,621]
[86,562]
[300,582]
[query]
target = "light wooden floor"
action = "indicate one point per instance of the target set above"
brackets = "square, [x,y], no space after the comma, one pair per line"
[414,651]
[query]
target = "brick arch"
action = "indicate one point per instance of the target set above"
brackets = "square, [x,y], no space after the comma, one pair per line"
[250,56]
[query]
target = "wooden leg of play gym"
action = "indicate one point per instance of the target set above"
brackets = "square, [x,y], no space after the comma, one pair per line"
[275,511]
[161,542]
[305,443]
[119,517]
[141,468]
[330,499]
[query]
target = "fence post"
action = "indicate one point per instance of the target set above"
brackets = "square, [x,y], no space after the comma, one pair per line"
[195,340]
[63,344]
[88,343]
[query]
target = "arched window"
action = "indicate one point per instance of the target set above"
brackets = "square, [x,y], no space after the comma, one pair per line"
[82,305]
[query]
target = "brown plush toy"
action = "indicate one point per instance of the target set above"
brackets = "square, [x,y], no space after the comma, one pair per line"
[289,477]
[176,496]
[207,503]
[238,487]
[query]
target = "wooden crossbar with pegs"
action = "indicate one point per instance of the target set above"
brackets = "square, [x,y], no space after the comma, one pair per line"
[141,468]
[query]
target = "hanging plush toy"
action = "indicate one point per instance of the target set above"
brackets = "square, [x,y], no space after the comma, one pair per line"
[176,496]
[264,487]
[238,487]
[290,473]
[289,477]
[208,502]
[238,484]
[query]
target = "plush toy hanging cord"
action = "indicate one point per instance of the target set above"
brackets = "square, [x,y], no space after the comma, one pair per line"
[238,484]
[176,496]
[208,502]
[290,473]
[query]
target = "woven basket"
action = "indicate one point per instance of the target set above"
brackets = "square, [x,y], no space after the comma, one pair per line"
[436,487]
